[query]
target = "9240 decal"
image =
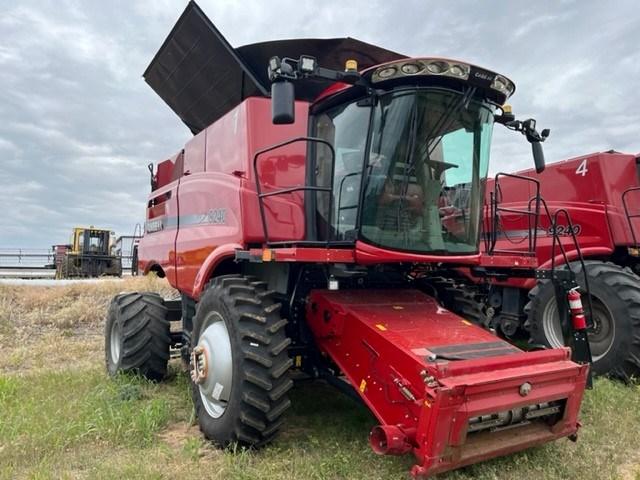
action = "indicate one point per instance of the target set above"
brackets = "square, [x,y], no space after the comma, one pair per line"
[565,230]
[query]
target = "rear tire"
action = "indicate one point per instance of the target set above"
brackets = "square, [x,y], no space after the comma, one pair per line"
[239,316]
[615,339]
[137,335]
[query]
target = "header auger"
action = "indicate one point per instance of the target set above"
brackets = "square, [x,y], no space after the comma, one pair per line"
[309,245]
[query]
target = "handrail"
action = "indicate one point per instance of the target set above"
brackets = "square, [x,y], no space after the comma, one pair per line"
[533,215]
[283,191]
[553,220]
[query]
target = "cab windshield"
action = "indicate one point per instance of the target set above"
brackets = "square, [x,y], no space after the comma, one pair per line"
[421,188]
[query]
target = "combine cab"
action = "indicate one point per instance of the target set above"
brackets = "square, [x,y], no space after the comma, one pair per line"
[301,230]
[90,254]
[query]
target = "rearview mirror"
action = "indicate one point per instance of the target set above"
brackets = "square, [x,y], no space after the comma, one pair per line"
[538,156]
[282,103]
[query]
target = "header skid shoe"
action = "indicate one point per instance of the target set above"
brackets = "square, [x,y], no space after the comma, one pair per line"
[446,389]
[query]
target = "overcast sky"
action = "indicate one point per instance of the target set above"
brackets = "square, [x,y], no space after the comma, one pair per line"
[78,125]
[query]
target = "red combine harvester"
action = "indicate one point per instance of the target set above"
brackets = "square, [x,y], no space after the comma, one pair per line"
[601,192]
[302,230]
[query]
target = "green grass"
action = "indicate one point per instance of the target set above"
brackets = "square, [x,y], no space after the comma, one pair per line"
[81,424]
[61,416]
[47,414]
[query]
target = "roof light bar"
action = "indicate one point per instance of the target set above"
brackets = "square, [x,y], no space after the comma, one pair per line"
[445,68]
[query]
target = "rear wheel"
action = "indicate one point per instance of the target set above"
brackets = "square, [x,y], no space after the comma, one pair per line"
[137,335]
[239,362]
[615,336]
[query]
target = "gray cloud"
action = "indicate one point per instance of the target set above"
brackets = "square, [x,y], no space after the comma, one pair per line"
[78,124]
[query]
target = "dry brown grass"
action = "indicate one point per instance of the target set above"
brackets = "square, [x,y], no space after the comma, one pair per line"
[61,325]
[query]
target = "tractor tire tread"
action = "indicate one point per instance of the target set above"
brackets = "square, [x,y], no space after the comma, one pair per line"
[256,336]
[259,344]
[259,285]
[253,317]
[146,340]
[273,429]
[278,410]
[275,350]
[273,308]
[278,392]
[256,401]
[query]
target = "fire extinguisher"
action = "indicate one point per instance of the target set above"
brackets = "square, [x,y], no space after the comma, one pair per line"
[580,348]
[578,320]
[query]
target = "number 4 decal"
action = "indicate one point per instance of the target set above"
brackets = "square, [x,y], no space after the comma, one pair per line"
[582,168]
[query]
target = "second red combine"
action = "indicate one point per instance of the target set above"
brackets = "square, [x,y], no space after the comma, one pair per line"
[325,181]
[601,194]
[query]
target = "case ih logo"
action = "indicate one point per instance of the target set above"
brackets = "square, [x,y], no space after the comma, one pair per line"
[488,77]
[154,225]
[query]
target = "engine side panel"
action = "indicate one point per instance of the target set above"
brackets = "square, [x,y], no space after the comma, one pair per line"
[210,216]
[214,202]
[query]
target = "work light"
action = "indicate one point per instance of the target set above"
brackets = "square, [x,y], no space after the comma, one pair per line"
[307,64]
[411,68]
[385,73]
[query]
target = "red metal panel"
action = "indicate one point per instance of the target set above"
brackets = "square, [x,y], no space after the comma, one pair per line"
[590,188]
[508,261]
[226,142]
[206,270]
[157,246]
[164,172]
[194,153]
[632,199]
[368,254]
[306,254]
[589,220]
[215,203]
[210,216]
[620,173]
[384,341]
[281,168]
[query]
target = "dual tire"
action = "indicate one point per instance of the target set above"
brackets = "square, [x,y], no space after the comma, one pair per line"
[137,335]
[240,387]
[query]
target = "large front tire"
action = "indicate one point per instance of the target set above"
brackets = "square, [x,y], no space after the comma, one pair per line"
[240,362]
[615,338]
[137,335]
